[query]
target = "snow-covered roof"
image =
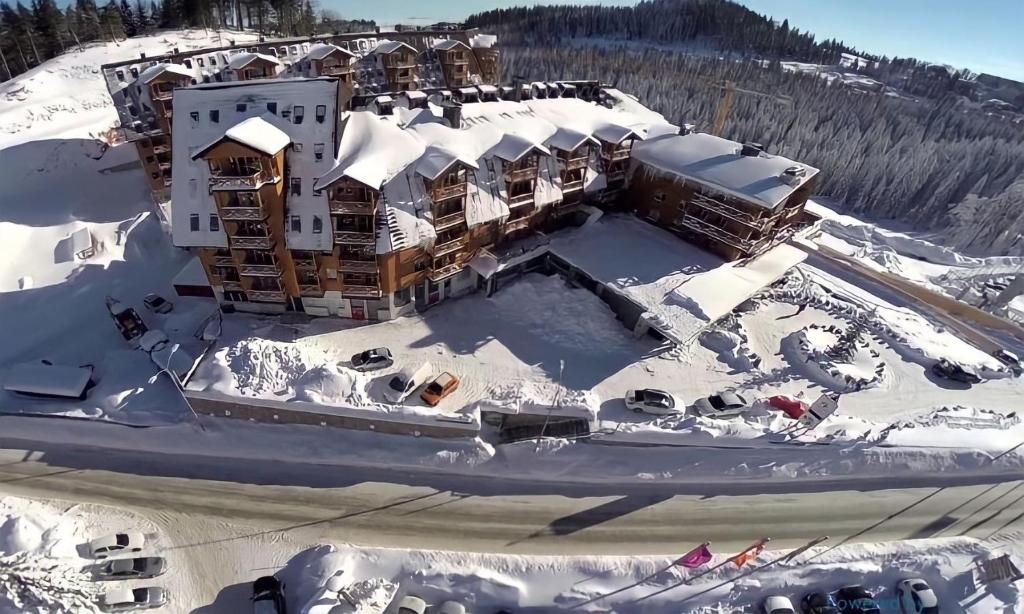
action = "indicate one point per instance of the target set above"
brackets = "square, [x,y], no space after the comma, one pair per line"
[386,47]
[449,44]
[483,41]
[241,60]
[568,139]
[372,151]
[157,70]
[259,133]
[320,51]
[41,378]
[716,162]
[511,147]
[436,160]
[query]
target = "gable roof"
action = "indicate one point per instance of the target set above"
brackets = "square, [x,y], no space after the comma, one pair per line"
[158,70]
[320,51]
[449,44]
[241,60]
[372,151]
[257,133]
[391,47]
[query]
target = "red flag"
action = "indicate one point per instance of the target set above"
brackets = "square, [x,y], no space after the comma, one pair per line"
[695,558]
[749,554]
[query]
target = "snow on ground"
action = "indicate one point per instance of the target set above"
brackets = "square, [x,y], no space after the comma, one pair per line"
[66,97]
[206,556]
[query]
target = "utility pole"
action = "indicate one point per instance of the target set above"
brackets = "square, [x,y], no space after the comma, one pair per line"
[558,391]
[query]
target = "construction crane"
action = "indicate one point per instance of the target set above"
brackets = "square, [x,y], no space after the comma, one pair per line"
[724,109]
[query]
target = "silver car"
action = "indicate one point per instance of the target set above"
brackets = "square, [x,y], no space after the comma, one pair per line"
[722,405]
[132,569]
[128,600]
[117,543]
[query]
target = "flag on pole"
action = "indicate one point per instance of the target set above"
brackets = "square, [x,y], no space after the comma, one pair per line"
[696,557]
[750,553]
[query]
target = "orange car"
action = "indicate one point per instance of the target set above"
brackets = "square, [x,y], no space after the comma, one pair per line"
[442,386]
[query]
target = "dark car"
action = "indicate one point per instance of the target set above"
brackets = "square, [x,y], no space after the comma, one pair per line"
[268,596]
[818,603]
[1010,360]
[370,360]
[951,370]
[855,600]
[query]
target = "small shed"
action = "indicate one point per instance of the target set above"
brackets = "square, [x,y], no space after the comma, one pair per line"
[83,245]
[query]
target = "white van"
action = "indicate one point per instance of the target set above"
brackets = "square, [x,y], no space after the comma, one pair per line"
[406,381]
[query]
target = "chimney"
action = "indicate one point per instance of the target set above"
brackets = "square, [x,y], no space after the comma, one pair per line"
[752,150]
[142,55]
[452,113]
[176,52]
[686,129]
[517,88]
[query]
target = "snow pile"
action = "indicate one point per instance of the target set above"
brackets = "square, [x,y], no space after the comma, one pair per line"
[533,397]
[870,236]
[332,385]
[322,579]
[261,366]
[822,347]
[729,340]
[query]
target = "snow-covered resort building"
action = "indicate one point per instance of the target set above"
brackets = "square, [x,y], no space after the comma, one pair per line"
[294,201]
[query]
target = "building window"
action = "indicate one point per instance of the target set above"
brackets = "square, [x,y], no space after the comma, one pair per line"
[286,113]
[188,63]
[193,222]
[300,113]
[135,72]
[331,273]
[321,113]
[120,75]
[296,223]
[420,265]
[195,117]
[403,296]
[296,186]
[213,60]
[200,62]
[318,151]
[215,116]
[214,222]
[318,225]
[297,147]
[240,107]
[206,78]
[218,77]
[272,107]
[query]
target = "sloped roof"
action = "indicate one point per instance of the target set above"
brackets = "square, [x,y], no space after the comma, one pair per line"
[391,47]
[449,44]
[372,151]
[511,147]
[157,70]
[241,60]
[320,51]
[568,139]
[436,160]
[258,133]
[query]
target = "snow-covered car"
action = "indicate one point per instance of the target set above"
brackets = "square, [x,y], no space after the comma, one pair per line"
[948,369]
[442,386]
[855,600]
[127,600]
[117,543]
[153,340]
[777,604]
[651,401]
[371,360]
[157,303]
[406,381]
[916,597]
[1011,360]
[131,569]
[268,596]
[451,607]
[410,604]
[722,405]
[818,603]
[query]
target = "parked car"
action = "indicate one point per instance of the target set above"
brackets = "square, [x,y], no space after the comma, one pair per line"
[1011,360]
[157,303]
[268,596]
[651,401]
[132,569]
[117,543]
[792,407]
[451,607]
[948,369]
[127,600]
[777,604]
[411,604]
[722,405]
[442,386]
[916,597]
[818,603]
[855,600]
[406,381]
[371,360]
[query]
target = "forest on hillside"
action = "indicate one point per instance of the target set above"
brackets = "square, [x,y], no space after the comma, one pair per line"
[932,160]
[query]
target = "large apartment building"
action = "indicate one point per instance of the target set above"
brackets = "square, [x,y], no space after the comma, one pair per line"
[294,202]
[369,63]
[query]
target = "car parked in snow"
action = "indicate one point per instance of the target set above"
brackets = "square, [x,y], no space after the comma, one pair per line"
[128,600]
[117,543]
[651,401]
[268,596]
[157,303]
[722,405]
[1011,360]
[406,381]
[132,569]
[371,360]
[410,604]
[916,597]
[855,600]
[777,604]
[818,603]
[442,386]
[950,370]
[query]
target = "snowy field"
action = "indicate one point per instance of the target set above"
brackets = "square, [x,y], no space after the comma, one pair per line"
[210,566]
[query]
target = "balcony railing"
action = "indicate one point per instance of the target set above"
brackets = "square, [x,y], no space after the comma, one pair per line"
[242,213]
[616,174]
[353,207]
[572,186]
[259,270]
[403,78]
[224,181]
[517,224]
[304,264]
[448,191]
[233,285]
[162,95]
[520,199]
[617,154]
[164,166]
[251,242]
[448,247]
[360,291]
[521,174]
[357,266]
[451,219]
[733,213]
[358,238]
[705,228]
[159,149]
[224,261]
[335,70]
[276,296]
[310,289]
[445,271]
[574,163]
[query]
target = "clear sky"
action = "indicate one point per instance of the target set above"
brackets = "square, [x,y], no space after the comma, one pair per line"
[982,35]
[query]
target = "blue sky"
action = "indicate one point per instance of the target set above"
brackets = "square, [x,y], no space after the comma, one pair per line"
[983,35]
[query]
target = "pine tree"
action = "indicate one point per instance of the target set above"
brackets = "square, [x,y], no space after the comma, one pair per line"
[142,23]
[112,25]
[128,18]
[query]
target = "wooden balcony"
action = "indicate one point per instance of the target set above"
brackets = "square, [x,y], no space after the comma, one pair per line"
[403,79]
[357,266]
[352,207]
[304,264]
[615,175]
[445,271]
[251,242]
[311,290]
[222,181]
[162,95]
[335,70]
[572,186]
[517,224]
[733,213]
[520,199]
[164,166]
[452,219]
[454,245]
[259,270]
[159,149]
[270,296]
[360,291]
[448,191]
[233,285]
[223,261]
[357,238]
[242,213]
[705,228]
[617,154]
[520,174]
